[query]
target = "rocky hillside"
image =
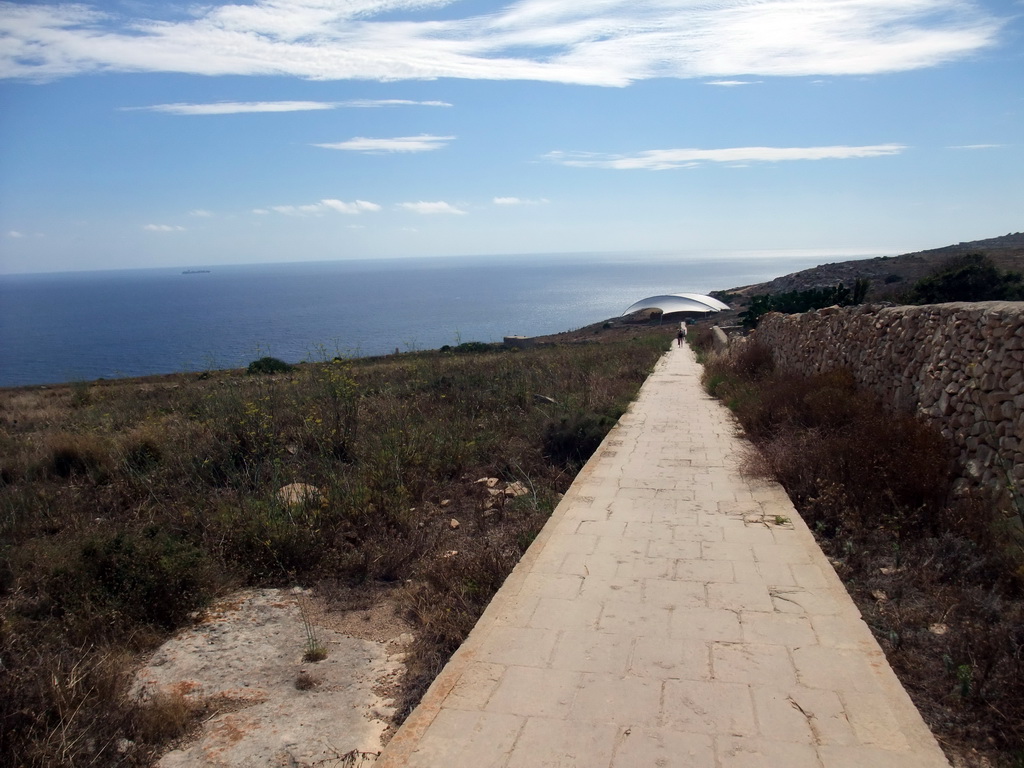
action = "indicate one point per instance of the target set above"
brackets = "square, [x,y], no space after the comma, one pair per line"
[890,275]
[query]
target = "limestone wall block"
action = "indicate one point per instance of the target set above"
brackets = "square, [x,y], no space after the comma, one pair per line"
[993,412]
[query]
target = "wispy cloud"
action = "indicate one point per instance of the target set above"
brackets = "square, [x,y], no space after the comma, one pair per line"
[979,146]
[423,143]
[612,42]
[15,234]
[518,201]
[664,159]
[351,209]
[432,208]
[324,206]
[163,228]
[732,83]
[200,213]
[377,103]
[250,107]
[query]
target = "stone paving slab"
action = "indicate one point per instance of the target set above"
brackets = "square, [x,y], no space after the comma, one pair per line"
[671,613]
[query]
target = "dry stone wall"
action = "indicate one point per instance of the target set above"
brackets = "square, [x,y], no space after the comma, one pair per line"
[959,365]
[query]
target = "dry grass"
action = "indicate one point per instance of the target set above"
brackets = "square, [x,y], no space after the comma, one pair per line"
[930,572]
[125,506]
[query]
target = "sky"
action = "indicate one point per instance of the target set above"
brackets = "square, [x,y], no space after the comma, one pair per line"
[136,133]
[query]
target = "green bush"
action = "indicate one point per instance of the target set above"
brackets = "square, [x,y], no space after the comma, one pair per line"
[471,347]
[971,277]
[267,539]
[793,302]
[152,577]
[269,365]
[574,438]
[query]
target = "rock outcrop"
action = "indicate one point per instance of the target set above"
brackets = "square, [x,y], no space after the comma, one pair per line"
[273,707]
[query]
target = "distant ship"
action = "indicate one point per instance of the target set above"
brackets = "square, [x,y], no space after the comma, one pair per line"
[195,271]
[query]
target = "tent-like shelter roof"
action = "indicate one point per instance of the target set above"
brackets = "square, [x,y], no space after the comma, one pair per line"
[678,302]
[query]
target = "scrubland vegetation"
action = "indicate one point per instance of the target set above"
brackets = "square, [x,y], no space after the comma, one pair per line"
[965,277]
[126,506]
[933,574]
[970,277]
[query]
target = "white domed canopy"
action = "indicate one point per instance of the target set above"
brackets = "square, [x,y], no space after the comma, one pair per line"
[679,302]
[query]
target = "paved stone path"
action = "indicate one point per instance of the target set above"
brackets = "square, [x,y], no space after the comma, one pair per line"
[671,613]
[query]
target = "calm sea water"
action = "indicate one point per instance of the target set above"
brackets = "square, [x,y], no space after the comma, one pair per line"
[89,325]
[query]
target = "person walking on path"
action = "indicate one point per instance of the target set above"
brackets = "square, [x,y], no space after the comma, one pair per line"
[681,336]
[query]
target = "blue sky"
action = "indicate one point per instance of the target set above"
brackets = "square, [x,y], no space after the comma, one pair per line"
[137,133]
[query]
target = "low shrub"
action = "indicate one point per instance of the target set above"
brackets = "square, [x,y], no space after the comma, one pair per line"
[78,455]
[970,277]
[141,451]
[752,360]
[269,365]
[803,301]
[70,711]
[152,577]
[701,338]
[473,347]
[573,439]
[468,579]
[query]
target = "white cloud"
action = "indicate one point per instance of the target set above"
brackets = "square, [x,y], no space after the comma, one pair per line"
[374,103]
[163,228]
[979,146]
[732,83]
[663,159]
[432,208]
[422,143]
[247,107]
[359,206]
[322,207]
[234,107]
[299,210]
[611,42]
[518,201]
[15,234]
[260,211]
[199,213]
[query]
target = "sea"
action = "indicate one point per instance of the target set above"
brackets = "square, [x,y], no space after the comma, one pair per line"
[82,326]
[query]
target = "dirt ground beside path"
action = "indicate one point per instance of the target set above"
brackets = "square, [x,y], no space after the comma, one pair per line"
[244,661]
